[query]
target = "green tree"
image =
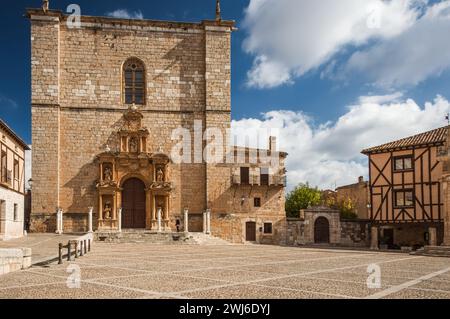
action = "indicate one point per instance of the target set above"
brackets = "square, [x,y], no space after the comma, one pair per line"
[347,207]
[302,197]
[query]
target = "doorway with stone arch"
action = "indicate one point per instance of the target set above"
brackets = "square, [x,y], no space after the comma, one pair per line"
[321,231]
[133,204]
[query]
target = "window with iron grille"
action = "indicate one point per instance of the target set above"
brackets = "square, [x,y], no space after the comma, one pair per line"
[257,202]
[268,228]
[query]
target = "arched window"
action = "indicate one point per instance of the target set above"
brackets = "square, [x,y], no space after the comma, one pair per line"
[134,82]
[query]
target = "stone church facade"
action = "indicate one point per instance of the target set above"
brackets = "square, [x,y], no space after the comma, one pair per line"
[107,96]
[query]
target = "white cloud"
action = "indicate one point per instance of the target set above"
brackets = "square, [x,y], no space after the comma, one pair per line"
[289,38]
[329,153]
[125,14]
[6,101]
[380,98]
[421,52]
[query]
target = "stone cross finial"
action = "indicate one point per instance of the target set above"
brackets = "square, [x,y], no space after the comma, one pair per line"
[218,18]
[45,5]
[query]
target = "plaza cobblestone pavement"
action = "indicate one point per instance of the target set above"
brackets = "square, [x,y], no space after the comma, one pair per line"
[43,246]
[143,270]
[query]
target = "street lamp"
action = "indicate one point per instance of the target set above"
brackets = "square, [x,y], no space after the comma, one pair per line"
[30,183]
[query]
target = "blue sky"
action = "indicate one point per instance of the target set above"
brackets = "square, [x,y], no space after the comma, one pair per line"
[297,67]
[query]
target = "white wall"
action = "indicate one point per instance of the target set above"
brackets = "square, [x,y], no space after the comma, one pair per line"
[12,228]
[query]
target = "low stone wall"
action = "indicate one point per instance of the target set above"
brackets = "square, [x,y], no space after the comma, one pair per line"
[347,233]
[195,223]
[355,233]
[73,223]
[14,260]
[227,227]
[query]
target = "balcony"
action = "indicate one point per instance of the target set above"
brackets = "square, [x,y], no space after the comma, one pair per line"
[258,180]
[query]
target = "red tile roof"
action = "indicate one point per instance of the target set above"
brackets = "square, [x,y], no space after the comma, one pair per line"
[436,136]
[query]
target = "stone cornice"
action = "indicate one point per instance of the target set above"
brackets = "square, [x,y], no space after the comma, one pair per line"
[135,24]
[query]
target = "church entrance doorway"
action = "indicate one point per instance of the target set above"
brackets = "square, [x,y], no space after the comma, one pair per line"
[133,204]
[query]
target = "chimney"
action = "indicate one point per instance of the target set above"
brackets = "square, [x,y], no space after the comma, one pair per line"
[361,179]
[273,144]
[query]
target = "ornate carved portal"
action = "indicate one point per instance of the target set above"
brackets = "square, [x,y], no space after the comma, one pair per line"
[129,173]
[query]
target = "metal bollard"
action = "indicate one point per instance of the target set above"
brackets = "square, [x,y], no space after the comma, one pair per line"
[69,251]
[60,258]
[76,250]
[81,249]
[85,247]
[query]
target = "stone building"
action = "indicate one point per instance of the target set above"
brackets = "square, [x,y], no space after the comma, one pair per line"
[12,183]
[110,99]
[358,193]
[323,226]
[407,179]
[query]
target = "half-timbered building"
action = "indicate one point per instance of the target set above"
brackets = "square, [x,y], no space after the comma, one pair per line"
[405,190]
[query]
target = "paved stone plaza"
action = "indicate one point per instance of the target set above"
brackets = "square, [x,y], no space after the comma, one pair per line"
[235,271]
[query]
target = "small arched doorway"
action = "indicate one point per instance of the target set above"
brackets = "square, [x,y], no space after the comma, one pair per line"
[133,204]
[322,231]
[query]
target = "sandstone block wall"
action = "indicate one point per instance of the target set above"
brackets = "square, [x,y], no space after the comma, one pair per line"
[77,107]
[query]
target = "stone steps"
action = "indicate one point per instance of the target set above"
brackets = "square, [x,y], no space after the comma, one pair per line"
[142,237]
[207,240]
[433,251]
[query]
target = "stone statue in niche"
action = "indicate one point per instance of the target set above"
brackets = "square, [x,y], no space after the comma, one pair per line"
[107,211]
[160,175]
[133,145]
[107,175]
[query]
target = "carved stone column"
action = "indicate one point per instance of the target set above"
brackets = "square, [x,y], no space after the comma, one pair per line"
[208,222]
[90,228]
[59,221]
[186,220]
[159,219]
[119,218]
[154,213]
[205,223]
[100,208]
[148,209]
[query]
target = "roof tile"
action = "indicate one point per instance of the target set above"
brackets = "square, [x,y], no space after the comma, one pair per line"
[431,137]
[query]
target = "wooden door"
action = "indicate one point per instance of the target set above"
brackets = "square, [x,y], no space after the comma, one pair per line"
[133,204]
[322,231]
[250,231]
[388,237]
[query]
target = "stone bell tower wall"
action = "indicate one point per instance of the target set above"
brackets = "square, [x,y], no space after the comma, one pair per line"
[45,55]
[77,103]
